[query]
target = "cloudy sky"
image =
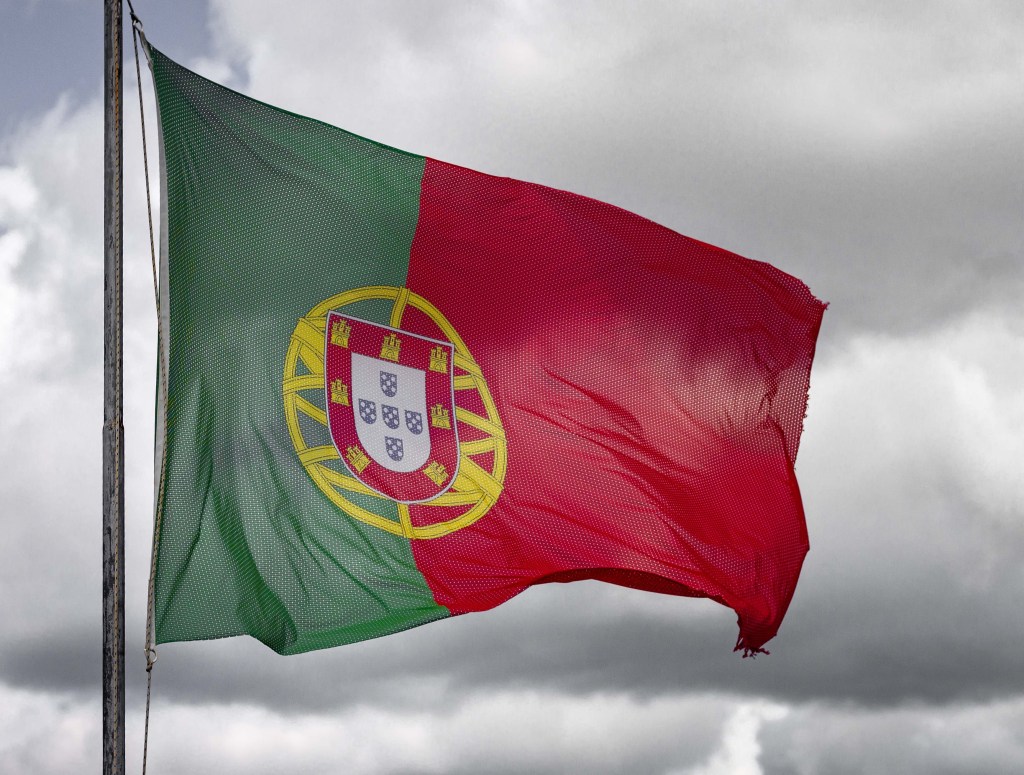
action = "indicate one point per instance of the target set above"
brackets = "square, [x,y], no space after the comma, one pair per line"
[871,148]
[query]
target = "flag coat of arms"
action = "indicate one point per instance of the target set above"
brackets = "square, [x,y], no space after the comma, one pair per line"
[394,390]
[391,408]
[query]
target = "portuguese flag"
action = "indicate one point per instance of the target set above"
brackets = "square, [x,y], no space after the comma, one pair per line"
[394,390]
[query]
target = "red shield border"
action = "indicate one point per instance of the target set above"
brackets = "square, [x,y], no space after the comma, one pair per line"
[346,335]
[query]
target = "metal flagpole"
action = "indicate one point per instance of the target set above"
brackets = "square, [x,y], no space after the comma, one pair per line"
[113,428]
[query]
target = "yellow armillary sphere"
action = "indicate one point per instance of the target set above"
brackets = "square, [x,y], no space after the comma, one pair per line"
[483,458]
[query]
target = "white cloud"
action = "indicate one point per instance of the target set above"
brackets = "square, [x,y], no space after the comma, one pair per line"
[920,438]
[508,731]
[932,740]
[855,78]
[526,731]
[740,750]
[50,235]
[47,735]
[49,232]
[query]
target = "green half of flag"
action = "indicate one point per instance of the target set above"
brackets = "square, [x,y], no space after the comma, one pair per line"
[266,213]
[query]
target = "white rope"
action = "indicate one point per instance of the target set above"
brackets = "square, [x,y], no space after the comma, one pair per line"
[150,645]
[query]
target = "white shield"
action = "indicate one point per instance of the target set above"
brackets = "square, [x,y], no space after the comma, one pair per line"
[390,406]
